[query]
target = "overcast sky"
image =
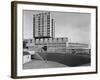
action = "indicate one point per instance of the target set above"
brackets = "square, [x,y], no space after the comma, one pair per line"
[75,26]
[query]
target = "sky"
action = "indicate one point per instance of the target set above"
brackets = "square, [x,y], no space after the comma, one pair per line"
[75,26]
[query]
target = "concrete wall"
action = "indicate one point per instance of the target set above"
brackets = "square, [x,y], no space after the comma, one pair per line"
[26,58]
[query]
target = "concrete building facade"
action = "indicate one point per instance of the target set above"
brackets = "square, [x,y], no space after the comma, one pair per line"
[43,25]
[57,45]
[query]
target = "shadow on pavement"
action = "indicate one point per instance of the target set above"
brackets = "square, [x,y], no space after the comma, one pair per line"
[68,59]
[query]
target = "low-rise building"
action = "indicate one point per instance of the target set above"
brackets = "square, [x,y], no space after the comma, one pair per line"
[58,45]
[77,48]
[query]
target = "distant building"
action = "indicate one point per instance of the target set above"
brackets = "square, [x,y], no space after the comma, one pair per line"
[43,26]
[77,48]
[70,45]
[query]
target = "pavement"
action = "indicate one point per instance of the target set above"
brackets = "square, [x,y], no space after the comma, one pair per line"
[58,60]
[36,64]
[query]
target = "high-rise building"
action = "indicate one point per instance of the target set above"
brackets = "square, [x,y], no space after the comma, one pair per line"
[43,26]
